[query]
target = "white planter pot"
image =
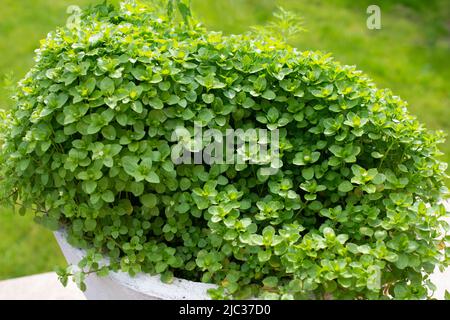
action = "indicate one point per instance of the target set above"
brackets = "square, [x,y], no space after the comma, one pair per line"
[121,286]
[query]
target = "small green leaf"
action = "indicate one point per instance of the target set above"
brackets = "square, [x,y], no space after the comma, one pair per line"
[308,173]
[109,132]
[167,277]
[89,186]
[149,200]
[345,186]
[270,282]
[152,177]
[447,295]
[156,103]
[90,224]
[107,86]
[264,255]
[108,196]
[269,95]
[208,98]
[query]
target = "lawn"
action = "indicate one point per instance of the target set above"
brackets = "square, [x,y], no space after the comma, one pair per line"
[25,247]
[409,55]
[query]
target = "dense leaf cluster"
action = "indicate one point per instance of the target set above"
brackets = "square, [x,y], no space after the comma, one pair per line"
[354,211]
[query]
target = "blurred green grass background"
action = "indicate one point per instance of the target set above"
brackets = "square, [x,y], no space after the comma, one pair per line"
[409,55]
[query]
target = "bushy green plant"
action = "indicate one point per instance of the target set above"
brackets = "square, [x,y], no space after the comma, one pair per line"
[353,212]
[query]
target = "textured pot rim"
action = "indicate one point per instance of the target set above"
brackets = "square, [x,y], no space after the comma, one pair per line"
[149,285]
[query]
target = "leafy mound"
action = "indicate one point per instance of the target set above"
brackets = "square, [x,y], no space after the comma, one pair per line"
[353,211]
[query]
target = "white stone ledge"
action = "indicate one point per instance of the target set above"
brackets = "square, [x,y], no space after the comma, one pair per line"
[45,286]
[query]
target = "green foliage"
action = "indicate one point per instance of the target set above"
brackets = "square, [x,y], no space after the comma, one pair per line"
[354,211]
[285,27]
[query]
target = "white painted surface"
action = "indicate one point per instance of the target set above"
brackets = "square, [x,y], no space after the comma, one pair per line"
[442,279]
[45,286]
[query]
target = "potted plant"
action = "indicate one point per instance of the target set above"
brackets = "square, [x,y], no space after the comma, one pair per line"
[119,140]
